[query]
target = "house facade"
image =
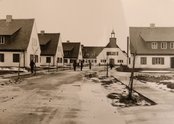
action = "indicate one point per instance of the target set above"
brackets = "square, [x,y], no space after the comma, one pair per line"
[51,49]
[90,54]
[19,42]
[72,52]
[153,47]
[112,53]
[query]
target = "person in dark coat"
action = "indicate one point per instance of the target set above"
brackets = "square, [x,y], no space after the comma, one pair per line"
[74,65]
[90,65]
[32,65]
[81,65]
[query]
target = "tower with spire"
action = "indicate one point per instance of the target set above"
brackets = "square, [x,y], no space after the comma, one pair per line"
[112,41]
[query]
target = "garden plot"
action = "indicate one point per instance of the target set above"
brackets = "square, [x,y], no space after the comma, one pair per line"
[164,82]
[118,92]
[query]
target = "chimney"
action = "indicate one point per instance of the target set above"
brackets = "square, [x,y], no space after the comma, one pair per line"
[8,18]
[82,46]
[42,32]
[152,25]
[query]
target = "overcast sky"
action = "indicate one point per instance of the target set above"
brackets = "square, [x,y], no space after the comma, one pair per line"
[91,21]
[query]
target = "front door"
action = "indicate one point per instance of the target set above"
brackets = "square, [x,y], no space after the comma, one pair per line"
[172,62]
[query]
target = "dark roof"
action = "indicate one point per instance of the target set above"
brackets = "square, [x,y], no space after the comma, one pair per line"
[112,43]
[49,43]
[140,35]
[91,51]
[8,30]
[71,49]
[19,31]
[158,34]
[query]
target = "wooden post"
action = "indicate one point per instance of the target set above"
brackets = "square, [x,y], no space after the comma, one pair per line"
[132,77]
[19,66]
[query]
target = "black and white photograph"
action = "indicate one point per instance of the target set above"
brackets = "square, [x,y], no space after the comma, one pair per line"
[86,62]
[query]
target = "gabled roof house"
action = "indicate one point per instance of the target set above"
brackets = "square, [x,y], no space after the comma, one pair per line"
[112,53]
[18,42]
[153,46]
[72,51]
[90,54]
[51,49]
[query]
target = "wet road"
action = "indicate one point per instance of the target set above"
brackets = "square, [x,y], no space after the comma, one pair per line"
[60,98]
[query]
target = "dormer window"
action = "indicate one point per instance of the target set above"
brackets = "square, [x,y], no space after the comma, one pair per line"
[154,45]
[2,40]
[163,45]
[171,45]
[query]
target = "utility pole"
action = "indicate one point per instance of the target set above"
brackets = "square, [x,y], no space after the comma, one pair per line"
[132,77]
[107,69]
[19,66]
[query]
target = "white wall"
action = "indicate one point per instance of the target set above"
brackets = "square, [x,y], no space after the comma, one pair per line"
[43,61]
[167,62]
[80,57]
[33,47]
[8,59]
[120,56]
[59,52]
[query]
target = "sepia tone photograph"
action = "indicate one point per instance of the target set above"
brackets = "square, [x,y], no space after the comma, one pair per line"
[86,62]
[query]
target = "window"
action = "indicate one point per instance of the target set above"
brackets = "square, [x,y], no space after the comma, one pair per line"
[103,61]
[95,61]
[31,57]
[143,60]
[2,40]
[158,61]
[163,45]
[72,61]
[154,45]
[65,61]
[48,59]
[16,57]
[59,60]
[172,45]
[1,57]
[120,61]
[36,58]
[111,53]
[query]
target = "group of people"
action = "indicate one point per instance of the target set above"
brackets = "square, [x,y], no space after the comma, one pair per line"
[81,65]
[33,65]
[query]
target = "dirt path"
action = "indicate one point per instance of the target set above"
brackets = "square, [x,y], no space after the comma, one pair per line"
[62,98]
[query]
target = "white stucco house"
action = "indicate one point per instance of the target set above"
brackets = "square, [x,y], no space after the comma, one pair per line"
[90,54]
[153,46]
[51,49]
[112,53]
[19,42]
[72,52]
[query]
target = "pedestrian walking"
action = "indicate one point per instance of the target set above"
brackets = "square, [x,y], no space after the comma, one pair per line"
[32,65]
[81,65]
[90,65]
[74,65]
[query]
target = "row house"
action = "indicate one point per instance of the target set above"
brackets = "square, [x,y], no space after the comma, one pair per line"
[51,49]
[72,52]
[90,54]
[19,42]
[153,47]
